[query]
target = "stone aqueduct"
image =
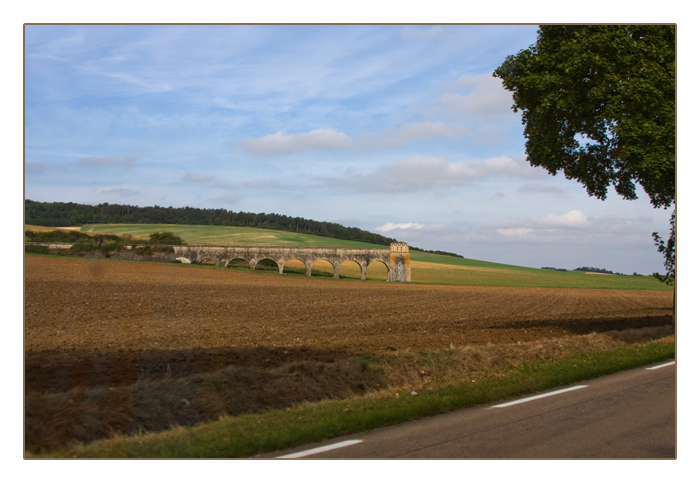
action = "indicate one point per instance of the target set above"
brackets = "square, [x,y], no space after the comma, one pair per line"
[396,259]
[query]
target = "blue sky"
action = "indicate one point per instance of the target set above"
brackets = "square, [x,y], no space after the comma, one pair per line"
[399,130]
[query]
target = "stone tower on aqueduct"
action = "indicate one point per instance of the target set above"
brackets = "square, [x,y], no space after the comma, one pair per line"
[399,262]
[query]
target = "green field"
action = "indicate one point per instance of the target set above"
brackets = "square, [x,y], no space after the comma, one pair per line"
[228,236]
[429,267]
[464,271]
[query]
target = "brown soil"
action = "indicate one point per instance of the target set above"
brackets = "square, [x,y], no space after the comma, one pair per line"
[102,322]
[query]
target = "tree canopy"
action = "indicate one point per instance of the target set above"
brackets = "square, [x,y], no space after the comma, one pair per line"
[598,103]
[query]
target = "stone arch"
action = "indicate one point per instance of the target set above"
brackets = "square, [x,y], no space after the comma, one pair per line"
[377,268]
[351,268]
[294,265]
[334,266]
[209,261]
[237,262]
[267,264]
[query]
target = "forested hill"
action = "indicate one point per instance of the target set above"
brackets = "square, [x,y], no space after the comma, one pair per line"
[75,214]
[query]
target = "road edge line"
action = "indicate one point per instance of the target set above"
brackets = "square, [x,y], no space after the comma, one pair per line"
[539,396]
[321,449]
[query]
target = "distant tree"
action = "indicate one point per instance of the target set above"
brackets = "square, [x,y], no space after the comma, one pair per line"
[598,104]
[594,270]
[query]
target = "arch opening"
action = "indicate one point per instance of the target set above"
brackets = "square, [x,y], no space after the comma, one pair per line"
[351,269]
[238,263]
[377,270]
[295,266]
[209,261]
[322,268]
[267,265]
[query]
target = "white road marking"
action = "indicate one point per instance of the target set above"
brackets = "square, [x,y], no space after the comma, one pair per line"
[662,365]
[539,396]
[322,449]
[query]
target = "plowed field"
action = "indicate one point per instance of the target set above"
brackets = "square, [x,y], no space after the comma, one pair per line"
[90,322]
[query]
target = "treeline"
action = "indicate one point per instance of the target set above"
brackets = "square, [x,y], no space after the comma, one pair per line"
[595,270]
[436,252]
[602,270]
[75,214]
[592,270]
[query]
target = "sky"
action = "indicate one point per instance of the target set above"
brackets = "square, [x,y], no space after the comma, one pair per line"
[396,129]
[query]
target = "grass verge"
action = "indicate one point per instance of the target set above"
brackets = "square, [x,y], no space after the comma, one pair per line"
[250,434]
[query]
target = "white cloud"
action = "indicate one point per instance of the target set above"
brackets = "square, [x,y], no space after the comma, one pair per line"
[481,94]
[423,172]
[550,227]
[539,188]
[283,143]
[508,166]
[571,219]
[409,133]
[386,227]
[514,232]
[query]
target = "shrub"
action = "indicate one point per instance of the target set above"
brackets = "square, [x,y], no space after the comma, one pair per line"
[84,247]
[151,249]
[108,248]
[36,249]
[166,238]
[66,236]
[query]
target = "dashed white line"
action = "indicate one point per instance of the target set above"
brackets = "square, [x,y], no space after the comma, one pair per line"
[322,449]
[539,396]
[660,366]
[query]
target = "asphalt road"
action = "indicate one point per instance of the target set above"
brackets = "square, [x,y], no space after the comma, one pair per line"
[627,415]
